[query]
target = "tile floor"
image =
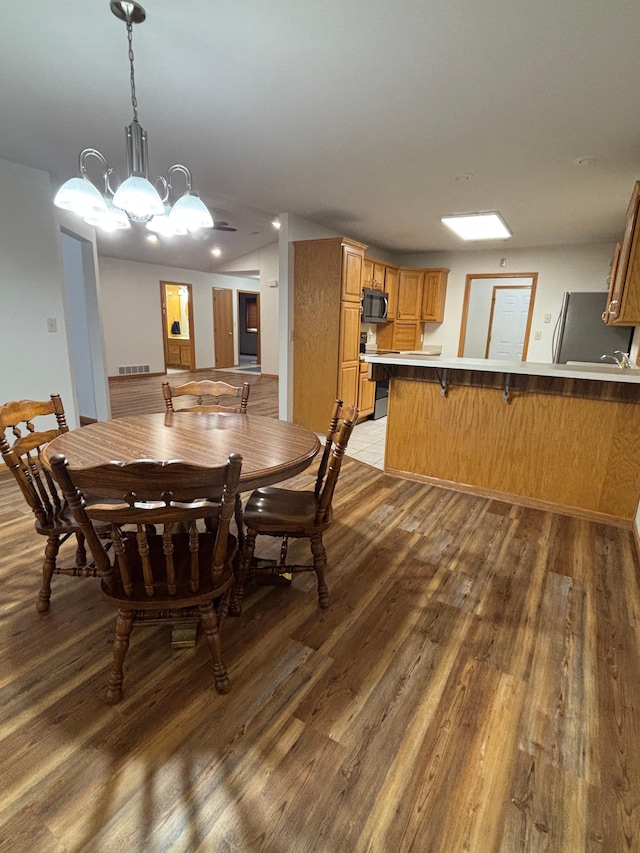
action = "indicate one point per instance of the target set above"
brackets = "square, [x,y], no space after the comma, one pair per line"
[367,442]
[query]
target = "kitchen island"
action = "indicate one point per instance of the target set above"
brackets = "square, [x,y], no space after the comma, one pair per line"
[560,436]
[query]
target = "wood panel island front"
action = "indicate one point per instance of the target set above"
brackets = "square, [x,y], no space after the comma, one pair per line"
[561,436]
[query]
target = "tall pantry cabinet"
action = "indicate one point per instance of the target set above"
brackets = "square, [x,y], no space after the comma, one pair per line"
[328,280]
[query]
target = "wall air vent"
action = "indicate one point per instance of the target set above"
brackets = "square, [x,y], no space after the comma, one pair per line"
[133,368]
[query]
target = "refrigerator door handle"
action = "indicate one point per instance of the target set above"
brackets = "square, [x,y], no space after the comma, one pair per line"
[559,328]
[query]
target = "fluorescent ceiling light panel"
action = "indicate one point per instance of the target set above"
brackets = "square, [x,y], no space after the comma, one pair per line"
[478,226]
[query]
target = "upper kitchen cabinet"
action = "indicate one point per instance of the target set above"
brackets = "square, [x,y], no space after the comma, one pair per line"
[391,286]
[623,304]
[374,275]
[379,275]
[352,270]
[410,285]
[434,293]
[328,278]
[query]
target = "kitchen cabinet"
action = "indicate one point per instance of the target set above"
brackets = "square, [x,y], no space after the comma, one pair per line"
[374,275]
[434,293]
[366,391]
[623,302]
[349,355]
[410,284]
[328,279]
[391,286]
[400,335]
[379,272]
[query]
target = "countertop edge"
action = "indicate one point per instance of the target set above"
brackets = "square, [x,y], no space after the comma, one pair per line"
[528,368]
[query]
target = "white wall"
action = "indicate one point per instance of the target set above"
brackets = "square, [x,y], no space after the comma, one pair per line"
[559,268]
[35,363]
[132,314]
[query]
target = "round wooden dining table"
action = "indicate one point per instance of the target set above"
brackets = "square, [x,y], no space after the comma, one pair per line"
[271,450]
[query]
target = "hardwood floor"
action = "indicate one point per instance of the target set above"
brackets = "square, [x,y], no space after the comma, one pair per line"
[473,686]
[143,394]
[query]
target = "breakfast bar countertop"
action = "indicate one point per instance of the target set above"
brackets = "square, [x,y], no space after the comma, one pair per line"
[598,372]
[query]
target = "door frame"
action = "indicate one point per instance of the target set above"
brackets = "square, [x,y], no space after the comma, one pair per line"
[228,332]
[471,277]
[163,317]
[493,305]
[255,293]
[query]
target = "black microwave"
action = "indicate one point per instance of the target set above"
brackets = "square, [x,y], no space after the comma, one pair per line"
[375,306]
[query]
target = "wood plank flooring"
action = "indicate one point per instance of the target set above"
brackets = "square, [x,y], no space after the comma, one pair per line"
[473,686]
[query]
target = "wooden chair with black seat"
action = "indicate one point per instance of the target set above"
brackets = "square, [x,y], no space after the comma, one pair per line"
[212,397]
[289,514]
[53,518]
[159,576]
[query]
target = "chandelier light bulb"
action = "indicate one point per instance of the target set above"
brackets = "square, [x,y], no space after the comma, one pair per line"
[190,212]
[81,197]
[138,198]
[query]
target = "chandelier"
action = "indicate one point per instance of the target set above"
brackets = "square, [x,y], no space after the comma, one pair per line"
[135,198]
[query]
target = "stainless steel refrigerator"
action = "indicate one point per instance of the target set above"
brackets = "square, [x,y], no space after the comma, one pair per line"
[581,335]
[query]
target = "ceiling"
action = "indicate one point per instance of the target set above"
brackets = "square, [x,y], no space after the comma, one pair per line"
[361,115]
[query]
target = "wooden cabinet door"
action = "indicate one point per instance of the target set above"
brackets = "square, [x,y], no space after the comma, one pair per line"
[433,295]
[409,294]
[352,272]
[615,291]
[349,332]
[391,286]
[349,361]
[378,276]
[366,391]
[623,308]
[367,273]
[348,380]
[406,336]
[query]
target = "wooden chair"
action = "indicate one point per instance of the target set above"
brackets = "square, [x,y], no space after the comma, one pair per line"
[289,514]
[210,396]
[53,518]
[159,576]
[217,393]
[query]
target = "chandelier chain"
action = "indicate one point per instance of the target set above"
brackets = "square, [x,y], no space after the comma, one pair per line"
[134,100]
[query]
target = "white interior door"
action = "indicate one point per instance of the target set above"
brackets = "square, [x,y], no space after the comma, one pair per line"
[510,311]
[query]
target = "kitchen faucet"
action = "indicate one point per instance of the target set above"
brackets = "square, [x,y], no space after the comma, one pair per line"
[623,360]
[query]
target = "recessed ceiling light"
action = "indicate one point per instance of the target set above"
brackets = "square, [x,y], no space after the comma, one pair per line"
[587,160]
[217,252]
[466,177]
[152,238]
[276,224]
[477,226]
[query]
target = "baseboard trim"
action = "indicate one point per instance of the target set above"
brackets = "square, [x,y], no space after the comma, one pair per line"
[85,421]
[120,376]
[519,500]
[268,375]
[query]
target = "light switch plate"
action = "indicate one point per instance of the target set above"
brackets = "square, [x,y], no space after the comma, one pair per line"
[52,324]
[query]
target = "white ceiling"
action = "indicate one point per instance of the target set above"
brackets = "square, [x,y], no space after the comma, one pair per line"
[357,114]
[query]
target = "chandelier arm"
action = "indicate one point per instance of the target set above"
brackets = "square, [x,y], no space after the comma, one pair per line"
[178,167]
[164,195]
[90,152]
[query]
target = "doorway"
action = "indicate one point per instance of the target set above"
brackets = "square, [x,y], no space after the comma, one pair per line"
[248,328]
[496,315]
[223,340]
[177,326]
